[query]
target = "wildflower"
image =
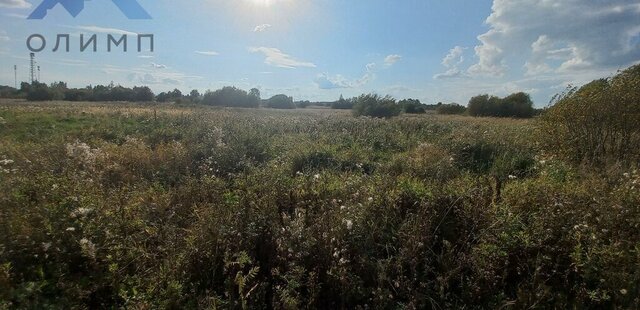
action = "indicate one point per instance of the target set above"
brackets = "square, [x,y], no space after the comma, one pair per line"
[316,176]
[370,199]
[5,162]
[343,207]
[623,291]
[46,246]
[81,212]
[349,224]
[2,121]
[626,174]
[512,177]
[70,229]
[88,248]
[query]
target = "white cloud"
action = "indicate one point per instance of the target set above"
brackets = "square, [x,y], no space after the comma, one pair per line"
[275,57]
[452,61]
[158,66]
[454,58]
[15,4]
[207,53]
[324,81]
[3,36]
[391,60]
[105,30]
[16,15]
[559,35]
[261,28]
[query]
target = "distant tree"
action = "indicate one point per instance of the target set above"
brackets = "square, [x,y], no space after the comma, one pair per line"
[280,102]
[412,106]
[303,104]
[342,104]
[376,106]
[230,96]
[450,109]
[517,105]
[142,94]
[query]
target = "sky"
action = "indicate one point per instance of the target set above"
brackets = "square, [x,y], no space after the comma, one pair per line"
[431,50]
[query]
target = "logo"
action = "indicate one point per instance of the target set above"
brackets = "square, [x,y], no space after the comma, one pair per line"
[130,8]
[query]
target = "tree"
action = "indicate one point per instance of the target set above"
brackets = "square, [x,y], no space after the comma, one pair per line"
[375,106]
[230,96]
[280,102]
[342,104]
[412,106]
[450,109]
[596,123]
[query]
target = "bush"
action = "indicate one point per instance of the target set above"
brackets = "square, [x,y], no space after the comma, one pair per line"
[42,92]
[375,106]
[280,102]
[596,123]
[412,106]
[231,97]
[518,105]
[450,109]
[342,104]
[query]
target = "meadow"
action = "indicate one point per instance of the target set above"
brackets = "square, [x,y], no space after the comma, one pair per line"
[113,205]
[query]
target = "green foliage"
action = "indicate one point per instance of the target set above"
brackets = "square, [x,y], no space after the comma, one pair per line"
[191,207]
[597,123]
[412,106]
[280,102]
[375,106]
[343,104]
[231,97]
[450,109]
[518,105]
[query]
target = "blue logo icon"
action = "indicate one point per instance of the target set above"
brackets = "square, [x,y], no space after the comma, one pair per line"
[130,8]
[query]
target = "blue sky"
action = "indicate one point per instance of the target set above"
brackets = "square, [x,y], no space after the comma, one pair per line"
[431,50]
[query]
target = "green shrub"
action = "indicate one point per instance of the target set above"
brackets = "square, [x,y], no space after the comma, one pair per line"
[518,105]
[596,123]
[375,106]
[450,109]
[280,102]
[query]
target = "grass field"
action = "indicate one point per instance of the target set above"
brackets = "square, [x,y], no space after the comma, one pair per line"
[162,206]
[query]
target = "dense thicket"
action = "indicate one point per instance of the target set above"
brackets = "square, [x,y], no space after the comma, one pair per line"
[37,91]
[230,96]
[598,122]
[412,106]
[450,109]
[375,106]
[280,102]
[518,105]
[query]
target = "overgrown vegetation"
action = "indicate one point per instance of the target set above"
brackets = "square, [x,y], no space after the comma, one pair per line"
[597,123]
[114,206]
[451,109]
[375,106]
[518,105]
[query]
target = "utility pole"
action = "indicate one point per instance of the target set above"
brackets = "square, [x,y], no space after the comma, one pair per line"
[32,72]
[39,74]
[15,75]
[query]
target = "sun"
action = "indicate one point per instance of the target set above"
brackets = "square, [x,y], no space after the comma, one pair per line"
[263,3]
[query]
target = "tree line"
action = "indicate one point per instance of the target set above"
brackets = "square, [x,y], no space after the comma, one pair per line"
[517,105]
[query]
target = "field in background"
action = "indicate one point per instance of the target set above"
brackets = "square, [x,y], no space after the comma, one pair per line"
[163,206]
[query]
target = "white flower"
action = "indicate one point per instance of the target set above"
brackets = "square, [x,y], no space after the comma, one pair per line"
[81,212]
[70,229]
[349,224]
[88,248]
[343,207]
[512,177]
[46,246]
[623,291]
[316,176]
[370,199]
[6,162]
